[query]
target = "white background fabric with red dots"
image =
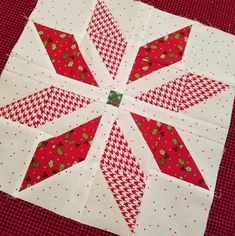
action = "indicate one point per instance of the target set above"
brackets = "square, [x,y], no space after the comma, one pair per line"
[169,206]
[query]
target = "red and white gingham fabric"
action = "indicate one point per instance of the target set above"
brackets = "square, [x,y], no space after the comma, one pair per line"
[221,218]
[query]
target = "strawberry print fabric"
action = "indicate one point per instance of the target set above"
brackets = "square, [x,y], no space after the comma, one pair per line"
[160,53]
[59,153]
[170,153]
[65,55]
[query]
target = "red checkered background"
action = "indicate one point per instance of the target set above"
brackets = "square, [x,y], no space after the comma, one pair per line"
[21,218]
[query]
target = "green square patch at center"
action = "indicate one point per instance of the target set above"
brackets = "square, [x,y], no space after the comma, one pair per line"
[114,98]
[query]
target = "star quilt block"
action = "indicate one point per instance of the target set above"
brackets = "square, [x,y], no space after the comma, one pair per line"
[115,114]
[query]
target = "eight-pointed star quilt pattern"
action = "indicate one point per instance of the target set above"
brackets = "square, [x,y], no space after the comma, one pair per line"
[130,103]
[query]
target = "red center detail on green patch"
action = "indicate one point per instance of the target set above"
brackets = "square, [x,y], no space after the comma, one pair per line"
[59,153]
[114,98]
[160,53]
[170,153]
[65,55]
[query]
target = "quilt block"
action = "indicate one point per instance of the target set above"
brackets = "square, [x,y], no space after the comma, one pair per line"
[115,114]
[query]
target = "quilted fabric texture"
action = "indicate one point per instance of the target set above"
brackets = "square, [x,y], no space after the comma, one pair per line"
[22,218]
[214,13]
[127,180]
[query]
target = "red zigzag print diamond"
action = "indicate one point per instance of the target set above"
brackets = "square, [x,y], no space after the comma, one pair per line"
[183,92]
[43,106]
[107,37]
[123,174]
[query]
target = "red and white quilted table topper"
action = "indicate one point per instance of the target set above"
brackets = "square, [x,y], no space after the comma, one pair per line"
[101,129]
